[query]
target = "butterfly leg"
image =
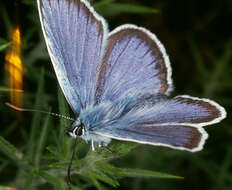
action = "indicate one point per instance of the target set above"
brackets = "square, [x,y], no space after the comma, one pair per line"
[107,149]
[103,146]
[94,145]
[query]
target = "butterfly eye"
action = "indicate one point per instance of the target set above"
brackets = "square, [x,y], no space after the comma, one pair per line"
[79,130]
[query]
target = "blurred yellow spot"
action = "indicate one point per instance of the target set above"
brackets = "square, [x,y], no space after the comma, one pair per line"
[15,68]
[7,188]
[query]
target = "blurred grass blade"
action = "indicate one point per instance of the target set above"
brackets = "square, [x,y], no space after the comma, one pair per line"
[5,19]
[224,171]
[113,9]
[198,59]
[63,110]
[10,150]
[36,118]
[41,141]
[220,66]
[29,181]
[3,164]
[146,173]
[129,8]
[6,89]
[102,4]
[2,40]
[63,143]
[28,2]
[4,46]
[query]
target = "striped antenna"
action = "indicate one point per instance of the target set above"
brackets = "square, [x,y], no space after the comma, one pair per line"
[40,111]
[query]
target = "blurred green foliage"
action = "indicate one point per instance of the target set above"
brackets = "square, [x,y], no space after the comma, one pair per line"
[34,151]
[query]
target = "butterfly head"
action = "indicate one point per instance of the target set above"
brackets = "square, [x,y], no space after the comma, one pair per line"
[76,130]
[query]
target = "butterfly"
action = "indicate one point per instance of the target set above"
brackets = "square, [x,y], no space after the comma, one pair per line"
[117,83]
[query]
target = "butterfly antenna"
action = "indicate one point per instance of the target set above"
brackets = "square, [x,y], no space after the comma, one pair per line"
[40,111]
[70,164]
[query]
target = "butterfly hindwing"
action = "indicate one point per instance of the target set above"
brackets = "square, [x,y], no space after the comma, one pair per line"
[134,60]
[155,119]
[180,137]
[75,35]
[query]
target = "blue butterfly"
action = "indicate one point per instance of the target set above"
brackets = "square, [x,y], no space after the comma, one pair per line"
[117,83]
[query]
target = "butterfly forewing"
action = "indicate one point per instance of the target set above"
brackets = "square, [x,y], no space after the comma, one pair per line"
[75,35]
[179,110]
[134,60]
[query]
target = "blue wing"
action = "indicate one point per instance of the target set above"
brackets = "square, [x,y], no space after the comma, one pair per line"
[154,109]
[181,137]
[134,60]
[154,119]
[75,36]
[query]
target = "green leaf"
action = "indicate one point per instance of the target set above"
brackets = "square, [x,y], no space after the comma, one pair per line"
[96,183]
[123,148]
[52,151]
[103,177]
[49,178]
[108,8]
[146,173]
[58,165]
[109,169]
[123,172]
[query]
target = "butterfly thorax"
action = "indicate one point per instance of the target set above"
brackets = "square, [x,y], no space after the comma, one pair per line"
[86,124]
[95,119]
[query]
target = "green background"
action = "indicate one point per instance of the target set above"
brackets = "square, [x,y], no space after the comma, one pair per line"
[34,151]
